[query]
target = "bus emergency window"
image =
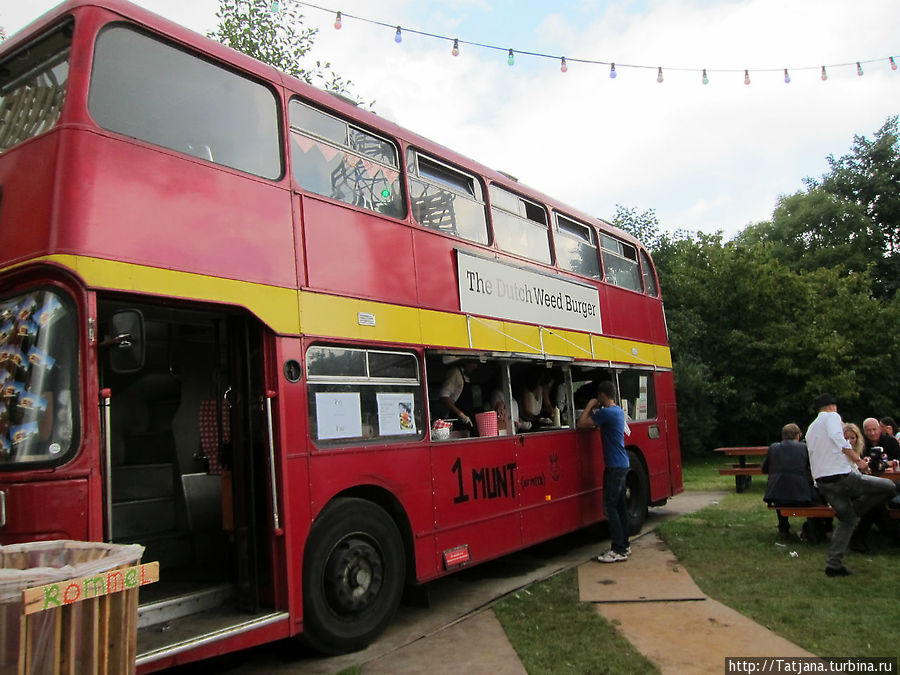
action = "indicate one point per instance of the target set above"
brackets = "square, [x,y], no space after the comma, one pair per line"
[520,226]
[38,366]
[33,87]
[650,285]
[620,263]
[636,394]
[143,88]
[363,395]
[330,157]
[446,200]
[576,248]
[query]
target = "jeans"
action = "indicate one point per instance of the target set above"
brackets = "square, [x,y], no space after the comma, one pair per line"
[615,506]
[851,497]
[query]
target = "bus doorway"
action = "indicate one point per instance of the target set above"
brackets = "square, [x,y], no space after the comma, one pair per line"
[186,459]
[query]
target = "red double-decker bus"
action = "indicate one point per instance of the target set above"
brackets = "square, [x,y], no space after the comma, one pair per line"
[230,308]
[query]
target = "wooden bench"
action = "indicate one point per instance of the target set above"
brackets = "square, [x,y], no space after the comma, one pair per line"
[820,511]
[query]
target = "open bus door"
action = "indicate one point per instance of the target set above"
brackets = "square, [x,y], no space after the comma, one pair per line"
[187,459]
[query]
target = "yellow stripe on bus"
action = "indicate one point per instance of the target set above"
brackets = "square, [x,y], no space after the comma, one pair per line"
[290,312]
[275,305]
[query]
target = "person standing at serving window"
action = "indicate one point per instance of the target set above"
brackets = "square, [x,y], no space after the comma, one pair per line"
[603,413]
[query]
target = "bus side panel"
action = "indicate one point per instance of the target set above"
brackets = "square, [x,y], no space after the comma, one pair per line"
[435,270]
[27,178]
[626,313]
[401,471]
[555,487]
[356,254]
[476,496]
[173,213]
[46,511]
[665,383]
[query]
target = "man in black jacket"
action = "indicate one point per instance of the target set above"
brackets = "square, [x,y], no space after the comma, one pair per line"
[790,484]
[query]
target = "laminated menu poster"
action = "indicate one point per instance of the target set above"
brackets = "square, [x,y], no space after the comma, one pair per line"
[396,414]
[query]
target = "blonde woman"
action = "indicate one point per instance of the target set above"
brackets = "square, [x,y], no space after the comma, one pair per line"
[855,437]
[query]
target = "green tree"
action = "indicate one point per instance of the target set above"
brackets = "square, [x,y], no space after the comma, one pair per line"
[274,33]
[850,218]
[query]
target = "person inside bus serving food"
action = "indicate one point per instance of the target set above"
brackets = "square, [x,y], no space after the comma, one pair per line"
[454,382]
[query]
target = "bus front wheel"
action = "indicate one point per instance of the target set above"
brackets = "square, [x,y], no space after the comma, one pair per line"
[637,494]
[353,576]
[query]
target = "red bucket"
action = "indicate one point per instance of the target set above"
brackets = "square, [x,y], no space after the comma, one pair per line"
[487,423]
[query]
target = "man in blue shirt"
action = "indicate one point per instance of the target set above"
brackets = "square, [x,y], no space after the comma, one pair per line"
[603,413]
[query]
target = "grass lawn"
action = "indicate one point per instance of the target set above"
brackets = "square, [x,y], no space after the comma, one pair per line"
[731,551]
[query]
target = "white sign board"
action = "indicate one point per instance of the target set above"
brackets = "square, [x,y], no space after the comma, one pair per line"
[396,414]
[338,415]
[501,291]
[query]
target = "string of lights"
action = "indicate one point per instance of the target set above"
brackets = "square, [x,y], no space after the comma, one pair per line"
[564,61]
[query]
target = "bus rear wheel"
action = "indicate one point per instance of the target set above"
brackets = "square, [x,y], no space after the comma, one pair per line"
[637,494]
[353,576]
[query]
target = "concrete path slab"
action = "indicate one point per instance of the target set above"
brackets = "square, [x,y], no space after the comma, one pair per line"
[683,636]
[652,573]
[476,645]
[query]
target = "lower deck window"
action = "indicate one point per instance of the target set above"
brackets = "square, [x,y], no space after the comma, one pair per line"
[360,395]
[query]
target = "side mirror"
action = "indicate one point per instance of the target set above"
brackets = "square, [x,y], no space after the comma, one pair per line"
[126,341]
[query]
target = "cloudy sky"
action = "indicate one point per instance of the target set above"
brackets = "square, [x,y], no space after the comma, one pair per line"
[705,157]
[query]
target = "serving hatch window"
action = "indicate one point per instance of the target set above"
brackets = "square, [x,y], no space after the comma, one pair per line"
[38,367]
[363,395]
[336,159]
[33,86]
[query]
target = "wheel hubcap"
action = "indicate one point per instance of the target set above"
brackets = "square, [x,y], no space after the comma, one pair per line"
[353,576]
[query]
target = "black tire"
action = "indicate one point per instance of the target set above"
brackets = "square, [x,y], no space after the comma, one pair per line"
[637,494]
[353,576]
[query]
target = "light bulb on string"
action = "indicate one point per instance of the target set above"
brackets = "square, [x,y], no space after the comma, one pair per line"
[746,77]
[511,59]
[612,71]
[824,74]
[659,75]
[337,21]
[787,78]
[705,77]
[398,36]
[563,67]
[859,70]
[455,50]
[893,64]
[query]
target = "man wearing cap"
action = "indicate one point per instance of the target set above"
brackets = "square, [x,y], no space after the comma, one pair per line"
[850,493]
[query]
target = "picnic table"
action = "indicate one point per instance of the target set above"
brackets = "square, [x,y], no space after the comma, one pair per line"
[742,471]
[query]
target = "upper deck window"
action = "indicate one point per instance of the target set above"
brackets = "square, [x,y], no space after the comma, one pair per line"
[520,226]
[576,248]
[650,285]
[445,199]
[143,88]
[38,369]
[333,158]
[620,263]
[33,86]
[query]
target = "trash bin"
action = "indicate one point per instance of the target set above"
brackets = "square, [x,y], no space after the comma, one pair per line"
[70,607]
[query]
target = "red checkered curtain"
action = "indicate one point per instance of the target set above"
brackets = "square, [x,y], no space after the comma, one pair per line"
[210,442]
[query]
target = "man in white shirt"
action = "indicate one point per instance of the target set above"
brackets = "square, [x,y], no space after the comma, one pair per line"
[850,493]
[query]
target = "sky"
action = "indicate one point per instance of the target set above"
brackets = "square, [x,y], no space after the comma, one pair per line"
[707,158]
